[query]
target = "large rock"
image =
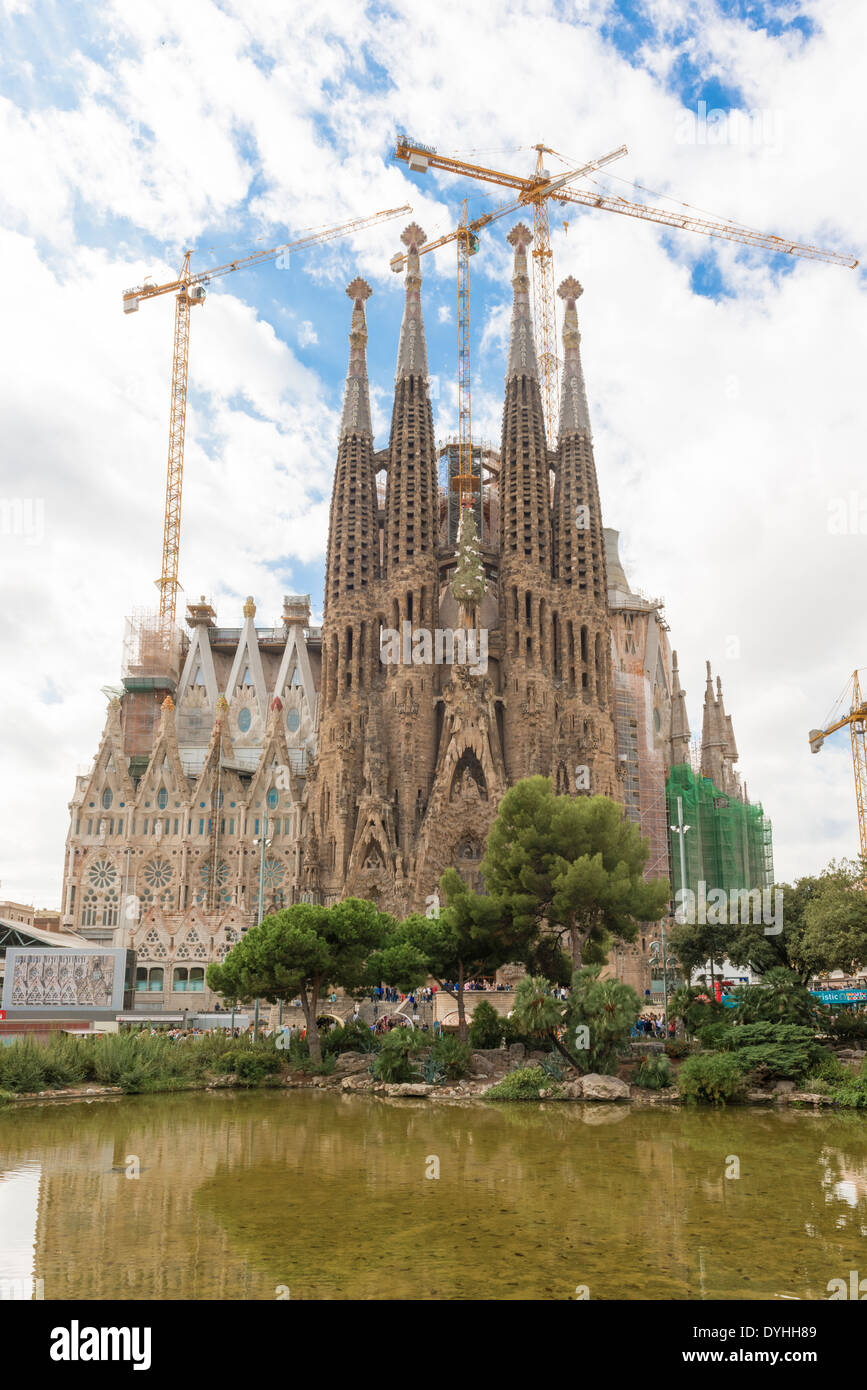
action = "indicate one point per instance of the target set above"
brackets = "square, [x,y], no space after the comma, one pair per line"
[352,1063]
[410,1088]
[596,1087]
[482,1065]
[516,1055]
[573,1090]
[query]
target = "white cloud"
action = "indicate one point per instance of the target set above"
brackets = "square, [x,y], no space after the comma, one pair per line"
[307,334]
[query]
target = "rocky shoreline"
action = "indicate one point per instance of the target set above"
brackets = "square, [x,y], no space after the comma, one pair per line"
[352,1076]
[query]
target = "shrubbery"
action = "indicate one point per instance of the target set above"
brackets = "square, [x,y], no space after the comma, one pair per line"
[524,1084]
[654,1073]
[486,1026]
[712,1078]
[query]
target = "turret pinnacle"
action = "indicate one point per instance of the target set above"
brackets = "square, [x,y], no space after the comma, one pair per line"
[412,350]
[679,720]
[522,348]
[718,751]
[356,400]
[574,415]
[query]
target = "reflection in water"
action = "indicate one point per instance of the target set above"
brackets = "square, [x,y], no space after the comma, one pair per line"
[251,1195]
[19,1212]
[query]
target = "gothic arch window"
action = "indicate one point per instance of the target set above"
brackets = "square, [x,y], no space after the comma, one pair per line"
[107,799]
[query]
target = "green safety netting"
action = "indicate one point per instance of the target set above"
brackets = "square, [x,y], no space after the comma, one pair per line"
[728,844]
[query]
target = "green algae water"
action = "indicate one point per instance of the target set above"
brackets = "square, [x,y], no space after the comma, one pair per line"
[316,1195]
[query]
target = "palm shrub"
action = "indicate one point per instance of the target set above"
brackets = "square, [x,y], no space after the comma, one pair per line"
[608,1009]
[393,1061]
[712,1078]
[696,1008]
[654,1073]
[453,1058]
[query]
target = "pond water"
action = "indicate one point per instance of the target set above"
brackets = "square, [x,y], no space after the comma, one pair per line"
[308,1195]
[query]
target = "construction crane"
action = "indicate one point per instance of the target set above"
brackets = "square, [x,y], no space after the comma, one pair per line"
[856,718]
[466,237]
[189,291]
[537,189]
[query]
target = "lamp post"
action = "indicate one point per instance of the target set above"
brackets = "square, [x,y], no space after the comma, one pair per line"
[680,830]
[263,842]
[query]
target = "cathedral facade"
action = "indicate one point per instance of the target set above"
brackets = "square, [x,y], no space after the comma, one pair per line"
[272,765]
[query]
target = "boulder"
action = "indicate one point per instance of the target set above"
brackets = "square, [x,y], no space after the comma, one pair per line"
[410,1088]
[573,1090]
[516,1055]
[596,1087]
[784,1087]
[482,1065]
[352,1063]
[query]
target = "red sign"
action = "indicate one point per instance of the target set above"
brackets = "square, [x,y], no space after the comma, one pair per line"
[2,1015]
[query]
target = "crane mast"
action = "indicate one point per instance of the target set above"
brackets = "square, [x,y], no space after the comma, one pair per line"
[189,291]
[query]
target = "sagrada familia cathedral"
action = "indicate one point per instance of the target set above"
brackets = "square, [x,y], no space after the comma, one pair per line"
[292,763]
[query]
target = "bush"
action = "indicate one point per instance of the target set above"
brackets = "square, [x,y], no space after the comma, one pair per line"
[848,1025]
[524,1084]
[713,1078]
[780,998]
[776,1049]
[252,1067]
[676,1048]
[654,1073]
[22,1067]
[852,1093]
[392,1062]
[486,1026]
[452,1057]
[67,1060]
[609,1009]
[348,1037]
[714,1037]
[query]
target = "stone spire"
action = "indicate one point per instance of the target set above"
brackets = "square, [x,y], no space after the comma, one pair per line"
[412,350]
[525,510]
[574,415]
[353,541]
[579,558]
[356,400]
[679,740]
[412,494]
[717,739]
[522,346]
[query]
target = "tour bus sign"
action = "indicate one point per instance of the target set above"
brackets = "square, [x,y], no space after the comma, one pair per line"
[841,996]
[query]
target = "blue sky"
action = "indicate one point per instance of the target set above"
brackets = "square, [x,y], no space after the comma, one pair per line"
[723,384]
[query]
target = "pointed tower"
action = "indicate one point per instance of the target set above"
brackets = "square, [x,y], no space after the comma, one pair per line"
[718,749]
[353,540]
[411,502]
[350,633]
[579,544]
[679,739]
[409,591]
[581,642]
[525,514]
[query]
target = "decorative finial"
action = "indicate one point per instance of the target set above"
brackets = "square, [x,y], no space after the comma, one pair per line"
[570,290]
[413,237]
[222,704]
[520,236]
[168,704]
[276,703]
[359,290]
[249,607]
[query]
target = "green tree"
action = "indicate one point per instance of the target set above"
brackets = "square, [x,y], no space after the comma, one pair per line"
[571,865]
[540,1015]
[473,935]
[835,921]
[608,1010]
[307,949]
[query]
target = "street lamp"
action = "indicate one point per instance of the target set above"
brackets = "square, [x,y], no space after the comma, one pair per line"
[263,842]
